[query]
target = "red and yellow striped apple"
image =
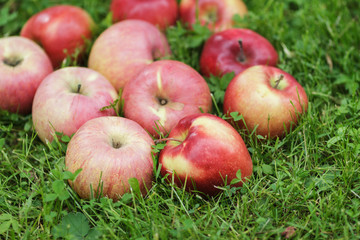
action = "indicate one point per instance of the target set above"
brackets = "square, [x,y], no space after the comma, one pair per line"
[217,15]
[204,152]
[270,100]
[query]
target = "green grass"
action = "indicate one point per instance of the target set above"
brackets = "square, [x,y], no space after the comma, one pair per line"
[309,180]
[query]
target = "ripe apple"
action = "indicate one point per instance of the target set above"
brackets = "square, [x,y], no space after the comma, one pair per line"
[163,93]
[125,48]
[69,97]
[217,15]
[234,50]
[161,13]
[110,151]
[269,99]
[60,30]
[203,150]
[23,65]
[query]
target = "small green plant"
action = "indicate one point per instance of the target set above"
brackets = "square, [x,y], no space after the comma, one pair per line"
[75,226]
[218,86]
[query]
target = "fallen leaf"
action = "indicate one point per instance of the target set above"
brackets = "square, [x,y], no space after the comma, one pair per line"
[289,232]
[329,62]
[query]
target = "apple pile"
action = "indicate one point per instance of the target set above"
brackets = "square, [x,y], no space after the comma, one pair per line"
[128,71]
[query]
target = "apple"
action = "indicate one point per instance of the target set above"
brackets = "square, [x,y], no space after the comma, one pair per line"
[23,65]
[202,152]
[161,13]
[163,93]
[61,30]
[234,50]
[69,97]
[217,15]
[269,99]
[110,151]
[125,48]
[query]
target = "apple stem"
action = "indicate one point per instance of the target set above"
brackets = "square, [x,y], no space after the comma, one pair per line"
[166,139]
[277,82]
[78,89]
[242,57]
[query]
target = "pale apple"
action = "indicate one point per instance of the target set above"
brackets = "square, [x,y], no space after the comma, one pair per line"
[269,99]
[204,153]
[23,65]
[110,151]
[163,93]
[125,48]
[68,98]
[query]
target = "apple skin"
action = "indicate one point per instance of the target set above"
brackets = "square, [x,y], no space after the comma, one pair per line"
[252,94]
[221,52]
[113,148]
[184,90]
[58,28]
[161,13]
[217,15]
[22,68]
[58,107]
[209,151]
[125,48]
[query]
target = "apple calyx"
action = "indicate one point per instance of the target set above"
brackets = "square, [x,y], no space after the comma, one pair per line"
[162,101]
[12,61]
[241,57]
[277,82]
[211,16]
[116,144]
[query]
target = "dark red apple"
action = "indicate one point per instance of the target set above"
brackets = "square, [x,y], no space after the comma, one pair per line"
[234,50]
[60,30]
[161,13]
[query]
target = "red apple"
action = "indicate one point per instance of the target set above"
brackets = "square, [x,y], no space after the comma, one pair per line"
[163,93]
[22,68]
[69,97]
[234,50]
[217,15]
[269,99]
[60,30]
[125,48]
[110,151]
[161,13]
[203,152]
